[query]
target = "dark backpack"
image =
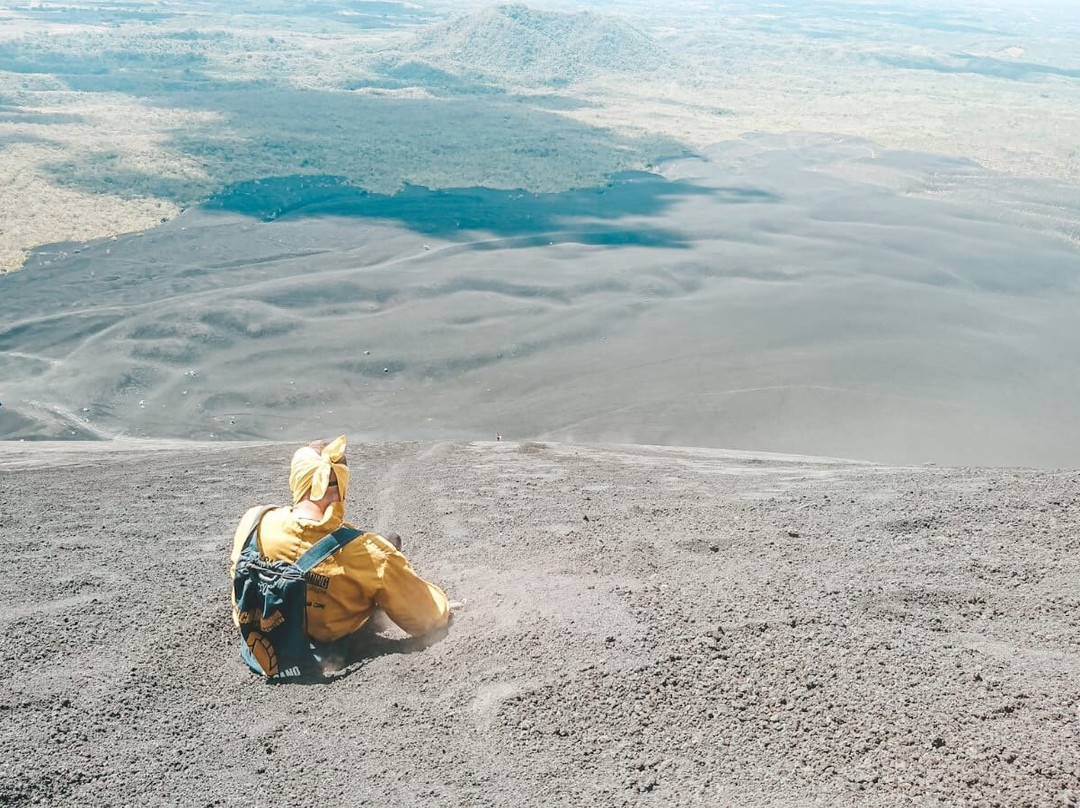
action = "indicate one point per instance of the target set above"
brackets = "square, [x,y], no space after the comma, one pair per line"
[271,605]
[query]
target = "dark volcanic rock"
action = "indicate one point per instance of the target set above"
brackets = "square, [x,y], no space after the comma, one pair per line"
[619,661]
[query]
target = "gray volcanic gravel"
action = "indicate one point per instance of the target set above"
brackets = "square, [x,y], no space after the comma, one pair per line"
[645,626]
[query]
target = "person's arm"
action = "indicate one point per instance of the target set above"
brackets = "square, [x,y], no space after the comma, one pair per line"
[414,604]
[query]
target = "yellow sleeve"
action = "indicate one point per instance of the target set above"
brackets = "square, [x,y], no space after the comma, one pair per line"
[410,601]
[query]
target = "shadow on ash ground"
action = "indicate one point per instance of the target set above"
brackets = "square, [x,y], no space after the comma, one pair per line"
[646,626]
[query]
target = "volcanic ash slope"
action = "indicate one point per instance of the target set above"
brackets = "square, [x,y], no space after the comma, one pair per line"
[644,626]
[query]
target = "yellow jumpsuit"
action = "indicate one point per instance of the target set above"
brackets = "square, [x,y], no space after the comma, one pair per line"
[345,589]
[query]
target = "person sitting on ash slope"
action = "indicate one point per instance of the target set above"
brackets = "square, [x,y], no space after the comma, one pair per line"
[369,573]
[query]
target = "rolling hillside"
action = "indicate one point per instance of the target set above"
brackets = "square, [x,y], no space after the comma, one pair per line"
[525,45]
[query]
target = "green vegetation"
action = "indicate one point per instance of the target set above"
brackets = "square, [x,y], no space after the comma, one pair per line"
[586,216]
[118,115]
[525,46]
[376,142]
[258,118]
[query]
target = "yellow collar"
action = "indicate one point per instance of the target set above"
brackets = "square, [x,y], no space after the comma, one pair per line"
[314,529]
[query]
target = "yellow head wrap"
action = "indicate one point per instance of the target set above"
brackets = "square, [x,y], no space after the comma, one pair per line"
[310,471]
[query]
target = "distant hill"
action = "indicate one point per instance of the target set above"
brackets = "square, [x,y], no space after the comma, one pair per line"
[540,47]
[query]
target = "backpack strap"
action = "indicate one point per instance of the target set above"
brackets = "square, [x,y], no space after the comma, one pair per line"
[325,547]
[254,532]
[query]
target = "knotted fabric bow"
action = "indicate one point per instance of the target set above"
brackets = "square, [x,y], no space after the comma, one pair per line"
[310,470]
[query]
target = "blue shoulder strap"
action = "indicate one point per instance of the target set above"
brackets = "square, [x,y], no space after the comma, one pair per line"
[324,547]
[254,532]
